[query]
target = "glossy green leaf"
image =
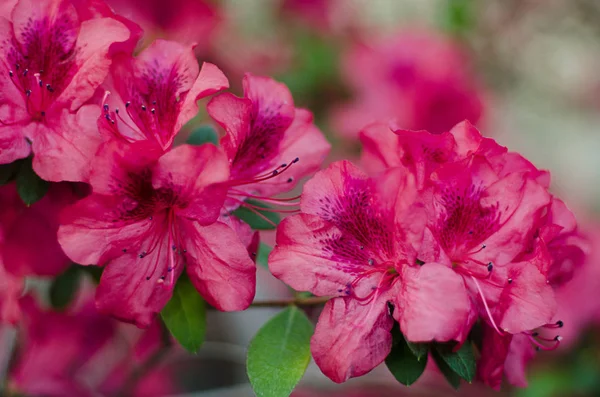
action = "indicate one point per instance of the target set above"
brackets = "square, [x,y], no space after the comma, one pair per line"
[203,134]
[462,361]
[419,350]
[64,287]
[262,256]
[402,362]
[30,186]
[279,353]
[185,315]
[451,376]
[257,222]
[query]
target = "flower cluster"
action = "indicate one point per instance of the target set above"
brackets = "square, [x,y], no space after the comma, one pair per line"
[80,107]
[450,233]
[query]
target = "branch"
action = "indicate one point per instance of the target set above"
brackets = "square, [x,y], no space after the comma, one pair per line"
[312,301]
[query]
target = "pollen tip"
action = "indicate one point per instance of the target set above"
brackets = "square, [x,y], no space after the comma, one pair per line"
[124,249]
[290,180]
[560,323]
[127,104]
[147,278]
[558,338]
[144,108]
[510,280]
[296,160]
[275,172]
[490,266]
[10,73]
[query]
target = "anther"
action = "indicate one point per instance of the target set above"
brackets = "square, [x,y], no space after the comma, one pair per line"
[117,110]
[43,113]
[283,165]
[144,108]
[560,324]
[41,83]
[558,338]
[371,262]
[106,107]
[510,280]
[152,110]
[154,102]
[490,266]
[275,172]
[124,249]
[150,218]
[296,160]
[290,180]
[28,92]
[10,73]
[127,104]
[25,72]
[147,278]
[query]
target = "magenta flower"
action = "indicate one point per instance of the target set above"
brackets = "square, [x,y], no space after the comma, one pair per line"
[356,240]
[22,255]
[79,352]
[54,59]
[150,97]
[418,78]
[146,219]
[270,144]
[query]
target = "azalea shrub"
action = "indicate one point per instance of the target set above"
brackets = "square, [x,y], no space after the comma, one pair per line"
[436,250]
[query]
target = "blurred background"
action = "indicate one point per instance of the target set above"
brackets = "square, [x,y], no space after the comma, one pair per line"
[526,72]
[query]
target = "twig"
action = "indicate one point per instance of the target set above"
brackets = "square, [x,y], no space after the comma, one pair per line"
[312,301]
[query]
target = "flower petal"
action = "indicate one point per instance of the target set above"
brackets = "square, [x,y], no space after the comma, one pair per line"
[65,146]
[495,347]
[219,265]
[433,304]
[352,338]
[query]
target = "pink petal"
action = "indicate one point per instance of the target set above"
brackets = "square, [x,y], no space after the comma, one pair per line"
[495,347]
[235,116]
[380,148]
[433,304]
[196,174]
[92,231]
[210,80]
[92,61]
[219,265]
[65,147]
[132,288]
[352,338]
[519,354]
[301,258]
[527,302]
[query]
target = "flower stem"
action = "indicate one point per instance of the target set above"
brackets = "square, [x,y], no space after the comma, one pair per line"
[312,301]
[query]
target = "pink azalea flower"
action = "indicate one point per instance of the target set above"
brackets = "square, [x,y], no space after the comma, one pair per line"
[183,21]
[54,59]
[146,218]
[150,97]
[270,144]
[418,78]
[74,353]
[356,240]
[22,255]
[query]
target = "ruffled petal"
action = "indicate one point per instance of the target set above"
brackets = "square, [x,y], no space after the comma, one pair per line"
[219,265]
[432,305]
[352,338]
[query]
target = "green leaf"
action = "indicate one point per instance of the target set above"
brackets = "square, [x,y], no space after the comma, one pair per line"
[402,362]
[419,350]
[451,376]
[8,171]
[63,288]
[203,134]
[255,221]
[462,361]
[262,256]
[279,353]
[185,315]
[458,16]
[30,186]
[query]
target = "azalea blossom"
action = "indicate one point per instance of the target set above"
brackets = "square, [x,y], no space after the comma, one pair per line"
[147,219]
[356,240]
[151,96]
[55,56]
[269,143]
[80,353]
[21,254]
[416,77]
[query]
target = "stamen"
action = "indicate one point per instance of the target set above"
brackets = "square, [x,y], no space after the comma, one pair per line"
[487,309]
